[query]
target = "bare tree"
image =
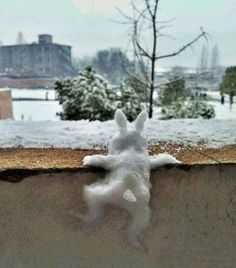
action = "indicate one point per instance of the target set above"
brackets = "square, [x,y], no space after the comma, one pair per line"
[143,21]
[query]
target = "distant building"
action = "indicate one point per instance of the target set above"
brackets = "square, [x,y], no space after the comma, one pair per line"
[43,59]
[5,104]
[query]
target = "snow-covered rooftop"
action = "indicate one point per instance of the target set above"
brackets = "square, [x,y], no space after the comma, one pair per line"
[4,89]
[86,135]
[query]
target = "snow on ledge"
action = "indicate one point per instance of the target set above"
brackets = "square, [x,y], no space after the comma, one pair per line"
[86,135]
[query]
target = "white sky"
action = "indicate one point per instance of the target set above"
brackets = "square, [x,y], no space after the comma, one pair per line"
[101,6]
[87,25]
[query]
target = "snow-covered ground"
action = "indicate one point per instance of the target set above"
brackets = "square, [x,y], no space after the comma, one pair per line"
[40,129]
[224,111]
[31,104]
[46,110]
[36,110]
[215,96]
[85,135]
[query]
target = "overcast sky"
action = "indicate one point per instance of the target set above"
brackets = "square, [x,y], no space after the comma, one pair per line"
[87,25]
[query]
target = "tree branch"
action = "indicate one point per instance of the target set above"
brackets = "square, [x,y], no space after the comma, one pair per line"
[149,8]
[178,79]
[202,34]
[136,78]
[166,21]
[141,13]
[144,52]
[169,82]
[130,19]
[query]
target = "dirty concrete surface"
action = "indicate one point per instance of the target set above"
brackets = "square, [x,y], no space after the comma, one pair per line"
[193,220]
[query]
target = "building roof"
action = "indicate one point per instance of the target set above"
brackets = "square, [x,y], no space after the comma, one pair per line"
[34,44]
[5,89]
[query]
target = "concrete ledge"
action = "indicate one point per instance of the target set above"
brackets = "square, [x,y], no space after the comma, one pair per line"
[21,158]
[19,163]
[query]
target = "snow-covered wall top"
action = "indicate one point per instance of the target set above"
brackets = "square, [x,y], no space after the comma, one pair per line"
[86,135]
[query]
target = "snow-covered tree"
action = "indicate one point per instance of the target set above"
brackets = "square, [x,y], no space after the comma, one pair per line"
[146,28]
[174,91]
[88,96]
[138,87]
[111,64]
[129,100]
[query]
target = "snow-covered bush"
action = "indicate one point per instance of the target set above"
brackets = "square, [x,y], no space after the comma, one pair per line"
[189,109]
[87,96]
[176,103]
[200,108]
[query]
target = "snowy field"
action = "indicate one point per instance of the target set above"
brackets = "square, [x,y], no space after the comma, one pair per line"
[30,104]
[46,110]
[39,94]
[36,110]
[41,127]
[85,135]
[215,96]
[224,111]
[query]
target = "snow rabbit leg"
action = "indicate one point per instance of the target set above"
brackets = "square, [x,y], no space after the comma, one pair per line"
[94,206]
[140,221]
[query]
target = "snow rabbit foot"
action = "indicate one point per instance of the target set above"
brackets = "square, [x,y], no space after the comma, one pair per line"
[87,160]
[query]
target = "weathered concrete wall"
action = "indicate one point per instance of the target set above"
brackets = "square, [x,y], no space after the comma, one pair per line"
[193,222]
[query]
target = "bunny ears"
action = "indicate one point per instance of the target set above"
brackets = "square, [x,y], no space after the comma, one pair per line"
[121,121]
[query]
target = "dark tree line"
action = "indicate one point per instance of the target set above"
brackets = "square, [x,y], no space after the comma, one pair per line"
[110,63]
[228,84]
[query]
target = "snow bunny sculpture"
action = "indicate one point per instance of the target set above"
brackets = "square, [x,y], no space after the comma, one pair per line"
[127,183]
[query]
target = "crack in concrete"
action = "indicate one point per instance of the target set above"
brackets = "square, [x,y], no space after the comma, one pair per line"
[17,175]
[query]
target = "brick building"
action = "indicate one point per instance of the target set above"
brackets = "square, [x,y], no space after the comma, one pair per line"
[41,59]
[5,104]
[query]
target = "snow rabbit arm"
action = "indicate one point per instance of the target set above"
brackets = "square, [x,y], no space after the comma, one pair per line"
[161,160]
[104,161]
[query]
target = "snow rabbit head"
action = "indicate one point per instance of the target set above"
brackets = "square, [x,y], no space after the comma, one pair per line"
[128,139]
